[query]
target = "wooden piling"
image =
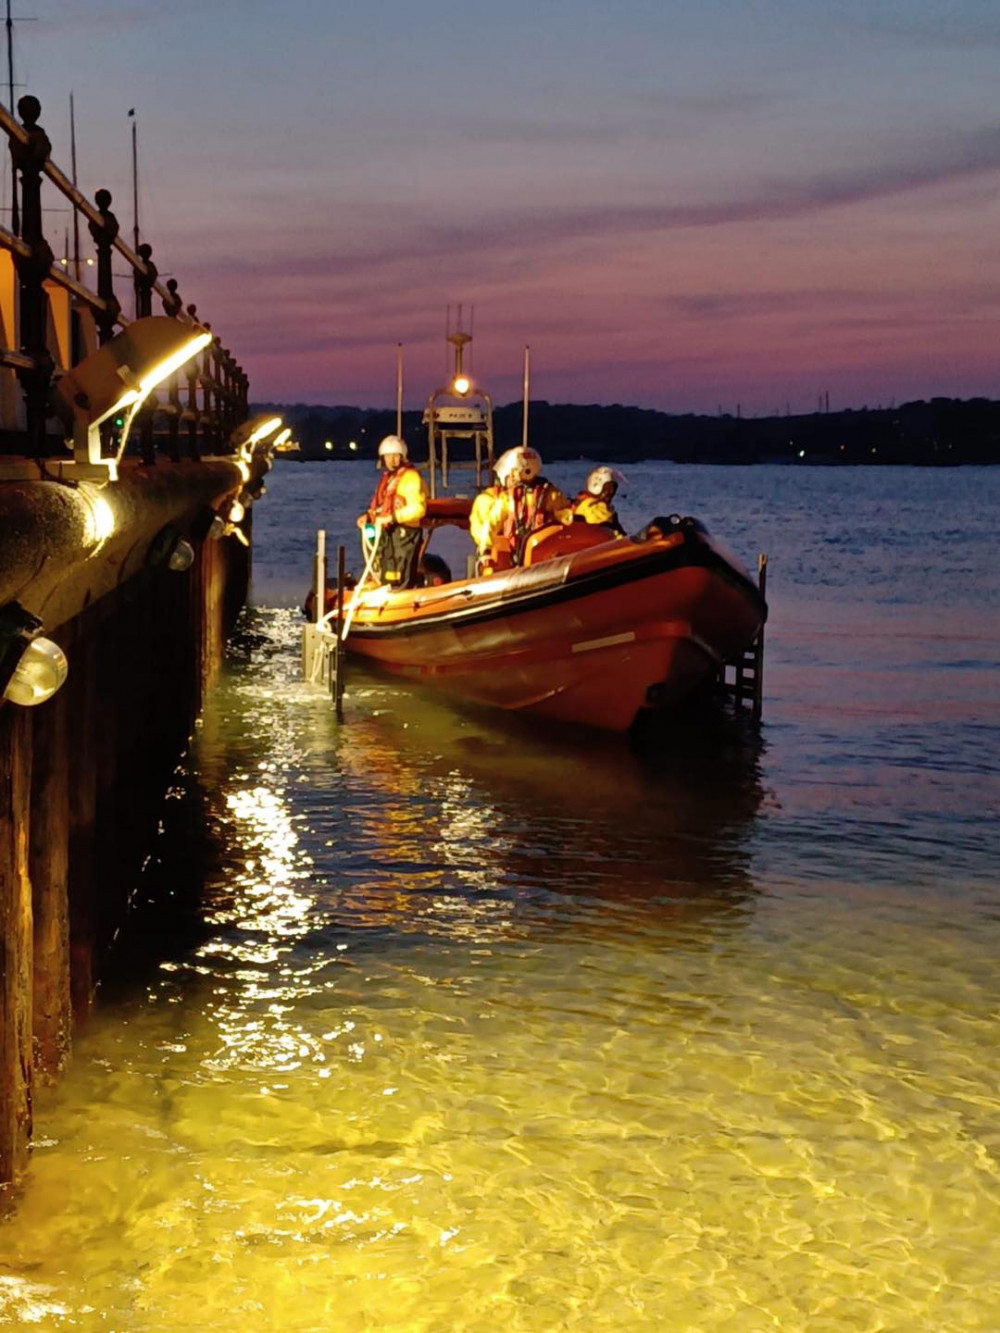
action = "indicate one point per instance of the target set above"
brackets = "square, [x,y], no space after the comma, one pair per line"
[15,943]
[48,864]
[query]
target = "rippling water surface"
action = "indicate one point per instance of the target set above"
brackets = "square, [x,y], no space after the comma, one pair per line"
[439,1021]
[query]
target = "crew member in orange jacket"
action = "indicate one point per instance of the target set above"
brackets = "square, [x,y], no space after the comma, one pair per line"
[529,502]
[595,503]
[396,510]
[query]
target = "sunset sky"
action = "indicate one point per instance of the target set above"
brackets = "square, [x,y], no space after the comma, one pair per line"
[681,204]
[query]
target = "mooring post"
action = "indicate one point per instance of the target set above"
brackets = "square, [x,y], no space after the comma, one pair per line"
[319,577]
[338,677]
[758,648]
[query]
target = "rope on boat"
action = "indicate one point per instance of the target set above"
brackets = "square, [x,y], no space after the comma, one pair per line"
[357,591]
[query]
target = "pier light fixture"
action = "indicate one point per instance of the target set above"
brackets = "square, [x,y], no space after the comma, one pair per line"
[461,384]
[246,437]
[236,513]
[181,557]
[168,548]
[115,381]
[31,667]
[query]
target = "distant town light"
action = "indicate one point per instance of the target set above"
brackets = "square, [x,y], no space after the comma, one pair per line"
[328,445]
[802,453]
[354,445]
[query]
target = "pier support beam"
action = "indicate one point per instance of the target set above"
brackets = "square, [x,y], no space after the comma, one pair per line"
[15,943]
[48,863]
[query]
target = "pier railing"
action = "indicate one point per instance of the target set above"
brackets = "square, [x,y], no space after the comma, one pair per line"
[50,320]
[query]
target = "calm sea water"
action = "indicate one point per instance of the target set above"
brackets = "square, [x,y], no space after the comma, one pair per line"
[441,1022]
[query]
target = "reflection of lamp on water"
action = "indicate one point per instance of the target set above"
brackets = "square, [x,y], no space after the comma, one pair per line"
[31,667]
[118,378]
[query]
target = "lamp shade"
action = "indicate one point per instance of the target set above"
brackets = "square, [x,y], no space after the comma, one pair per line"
[129,367]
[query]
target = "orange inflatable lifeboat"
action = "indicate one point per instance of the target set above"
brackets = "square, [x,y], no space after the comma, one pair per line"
[591,629]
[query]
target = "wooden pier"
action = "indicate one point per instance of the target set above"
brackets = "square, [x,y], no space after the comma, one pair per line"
[125,497]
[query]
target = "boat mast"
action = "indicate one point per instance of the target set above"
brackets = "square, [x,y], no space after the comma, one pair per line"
[527,389]
[399,390]
[135,199]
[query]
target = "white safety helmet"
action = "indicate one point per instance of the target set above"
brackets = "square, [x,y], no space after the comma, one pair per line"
[393,444]
[599,478]
[529,462]
[505,465]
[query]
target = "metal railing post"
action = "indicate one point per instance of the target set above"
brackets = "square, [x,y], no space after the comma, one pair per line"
[29,158]
[104,233]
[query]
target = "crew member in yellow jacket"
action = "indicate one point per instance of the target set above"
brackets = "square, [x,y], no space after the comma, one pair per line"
[595,503]
[396,510]
[485,517]
[529,502]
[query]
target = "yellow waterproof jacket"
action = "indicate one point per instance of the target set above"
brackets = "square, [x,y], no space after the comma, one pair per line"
[593,510]
[483,525]
[411,499]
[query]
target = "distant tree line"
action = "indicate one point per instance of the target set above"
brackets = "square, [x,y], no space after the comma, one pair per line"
[938,432]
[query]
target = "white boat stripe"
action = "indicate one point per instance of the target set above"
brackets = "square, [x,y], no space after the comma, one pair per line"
[587,645]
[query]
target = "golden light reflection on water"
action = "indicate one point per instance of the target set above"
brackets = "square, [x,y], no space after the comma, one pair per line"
[432,1070]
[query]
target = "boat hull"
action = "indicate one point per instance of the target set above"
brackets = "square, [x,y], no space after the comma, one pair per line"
[589,639]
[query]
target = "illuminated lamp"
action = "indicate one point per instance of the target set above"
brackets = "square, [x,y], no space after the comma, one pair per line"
[115,381]
[282,437]
[252,432]
[31,667]
[461,384]
[169,548]
[236,513]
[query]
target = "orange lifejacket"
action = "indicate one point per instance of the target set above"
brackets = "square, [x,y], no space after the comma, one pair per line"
[385,501]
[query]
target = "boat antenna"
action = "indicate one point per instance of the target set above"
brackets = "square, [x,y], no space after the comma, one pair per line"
[15,217]
[527,390]
[76,213]
[399,390]
[135,184]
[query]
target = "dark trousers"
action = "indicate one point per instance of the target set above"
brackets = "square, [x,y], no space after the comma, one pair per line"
[397,556]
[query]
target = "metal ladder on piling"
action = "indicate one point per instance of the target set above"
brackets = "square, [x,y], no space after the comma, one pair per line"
[323,648]
[746,688]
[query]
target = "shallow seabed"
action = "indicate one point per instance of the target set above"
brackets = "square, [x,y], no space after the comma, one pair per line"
[438,1021]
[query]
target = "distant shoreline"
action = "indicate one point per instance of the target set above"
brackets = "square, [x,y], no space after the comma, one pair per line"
[940,432]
